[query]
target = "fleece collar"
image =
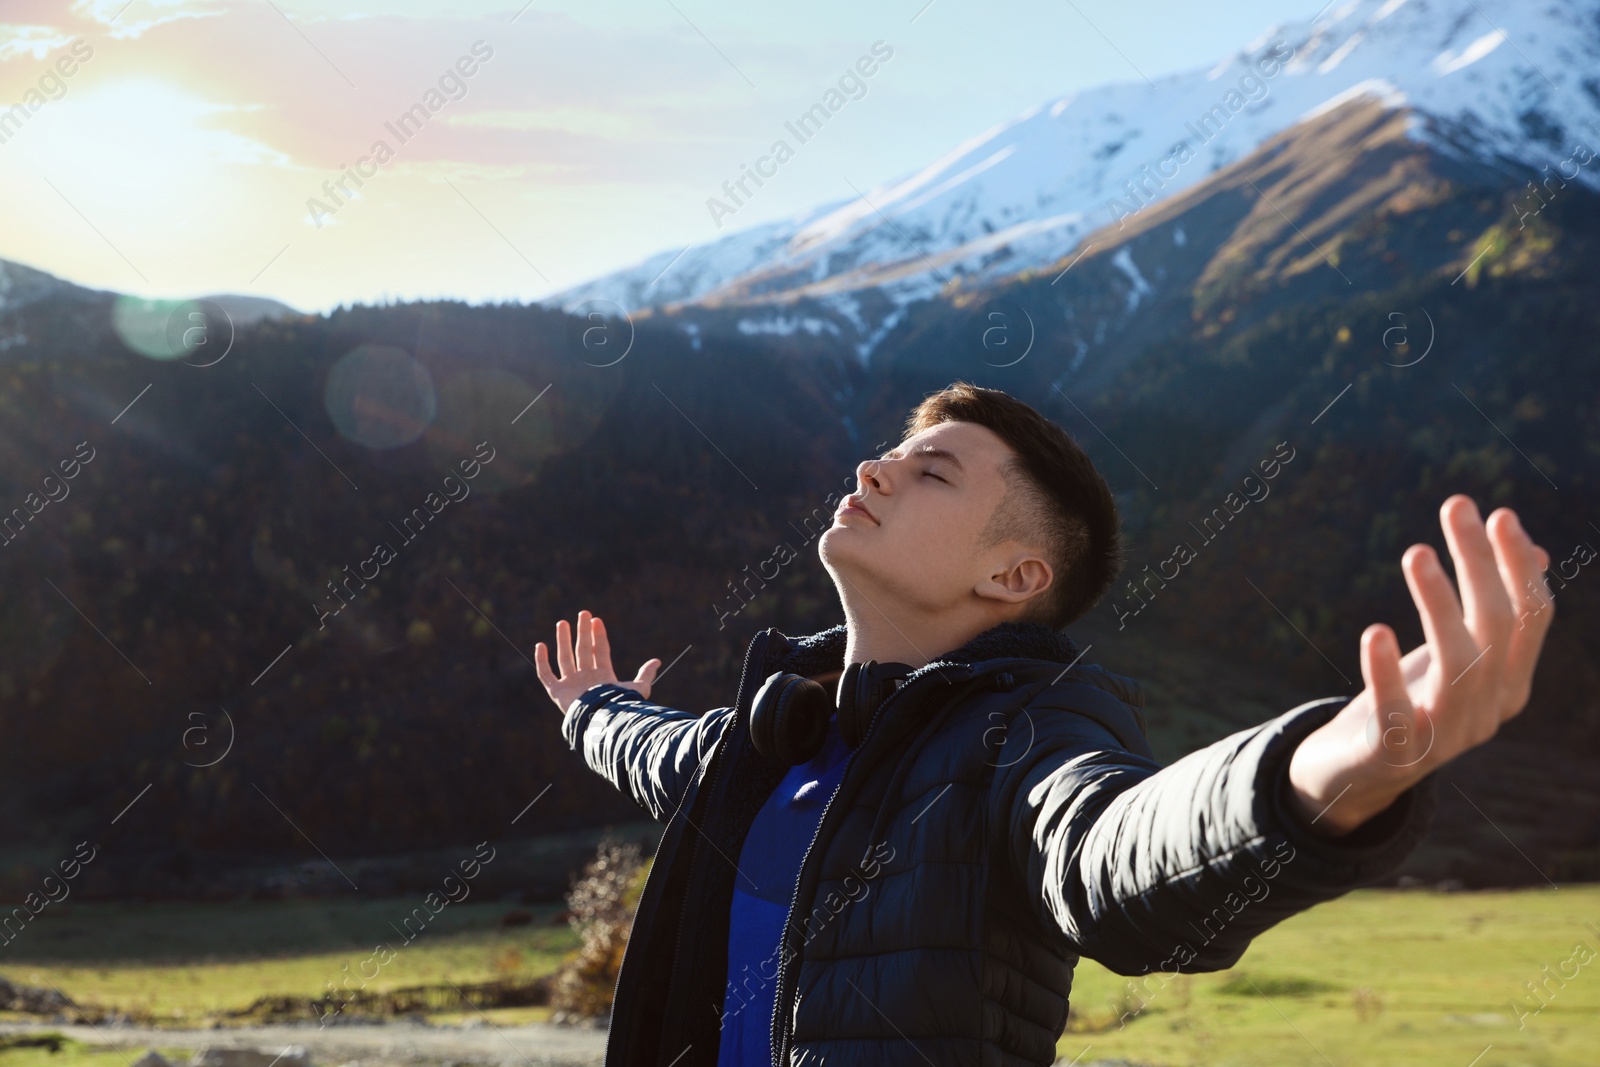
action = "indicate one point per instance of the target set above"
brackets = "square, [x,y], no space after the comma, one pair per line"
[823,652]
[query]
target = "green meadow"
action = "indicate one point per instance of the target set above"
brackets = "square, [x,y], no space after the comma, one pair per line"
[1379,977]
[190,964]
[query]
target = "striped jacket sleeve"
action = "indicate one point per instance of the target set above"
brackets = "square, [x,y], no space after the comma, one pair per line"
[649,752]
[1177,868]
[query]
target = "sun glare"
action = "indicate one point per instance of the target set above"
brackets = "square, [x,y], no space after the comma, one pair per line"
[141,150]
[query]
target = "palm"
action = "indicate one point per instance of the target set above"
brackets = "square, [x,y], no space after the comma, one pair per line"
[1447,695]
[586,666]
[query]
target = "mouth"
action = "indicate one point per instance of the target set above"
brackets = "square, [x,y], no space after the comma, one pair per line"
[853,503]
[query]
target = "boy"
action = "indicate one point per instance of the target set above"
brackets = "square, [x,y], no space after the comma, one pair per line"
[983,810]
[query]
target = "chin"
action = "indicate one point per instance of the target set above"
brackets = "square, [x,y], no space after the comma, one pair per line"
[843,551]
[830,549]
[823,540]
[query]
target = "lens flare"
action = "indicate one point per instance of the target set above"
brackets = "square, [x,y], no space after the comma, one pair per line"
[144,326]
[378,396]
[494,405]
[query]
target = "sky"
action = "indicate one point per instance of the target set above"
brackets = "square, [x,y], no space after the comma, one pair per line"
[171,148]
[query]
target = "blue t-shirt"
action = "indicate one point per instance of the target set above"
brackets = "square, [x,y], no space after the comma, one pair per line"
[769,868]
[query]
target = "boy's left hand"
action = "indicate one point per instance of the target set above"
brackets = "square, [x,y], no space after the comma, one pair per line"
[1451,693]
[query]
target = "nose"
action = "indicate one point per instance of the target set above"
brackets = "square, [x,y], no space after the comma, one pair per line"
[869,475]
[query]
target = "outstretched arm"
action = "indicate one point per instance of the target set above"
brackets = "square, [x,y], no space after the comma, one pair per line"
[1177,869]
[650,752]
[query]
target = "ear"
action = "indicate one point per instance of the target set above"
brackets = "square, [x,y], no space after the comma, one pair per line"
[1022,577]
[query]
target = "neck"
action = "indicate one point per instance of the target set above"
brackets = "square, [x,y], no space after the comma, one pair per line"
[906,637]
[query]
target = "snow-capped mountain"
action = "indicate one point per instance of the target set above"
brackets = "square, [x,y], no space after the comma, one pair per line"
[1498,80]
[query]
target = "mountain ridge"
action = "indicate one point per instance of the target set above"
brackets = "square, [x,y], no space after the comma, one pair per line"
[1493,83]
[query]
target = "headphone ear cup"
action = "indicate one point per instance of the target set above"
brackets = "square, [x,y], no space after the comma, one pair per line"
[855,702]
[789,718]
[863,687]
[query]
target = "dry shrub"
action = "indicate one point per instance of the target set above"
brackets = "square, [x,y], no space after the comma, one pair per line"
[506,962]
[602,903]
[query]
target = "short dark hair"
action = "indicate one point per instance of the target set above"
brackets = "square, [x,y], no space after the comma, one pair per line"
[1055,498]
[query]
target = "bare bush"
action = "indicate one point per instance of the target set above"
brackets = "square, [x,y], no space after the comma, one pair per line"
[602,904]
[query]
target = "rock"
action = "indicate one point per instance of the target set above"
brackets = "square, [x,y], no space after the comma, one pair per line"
[220,1056]
[152,1058]
[32,1000]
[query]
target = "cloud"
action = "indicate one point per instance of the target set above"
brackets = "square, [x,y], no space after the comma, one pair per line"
[34,41]
[563,101]
[146,14]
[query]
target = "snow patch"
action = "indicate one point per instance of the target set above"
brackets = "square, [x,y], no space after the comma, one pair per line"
[1339,53]
[864,349]
[955,180]
[1382,88]
[785,326]
[1083,350]
[1448,62]
[847,306]
[1123,261]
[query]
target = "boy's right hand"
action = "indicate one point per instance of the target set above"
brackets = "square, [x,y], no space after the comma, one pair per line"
[592,665]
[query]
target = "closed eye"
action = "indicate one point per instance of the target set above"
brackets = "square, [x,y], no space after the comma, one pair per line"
[930,474]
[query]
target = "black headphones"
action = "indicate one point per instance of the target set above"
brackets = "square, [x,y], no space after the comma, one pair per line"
[789,717]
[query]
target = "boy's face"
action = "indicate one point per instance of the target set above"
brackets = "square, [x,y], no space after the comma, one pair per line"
[918,550]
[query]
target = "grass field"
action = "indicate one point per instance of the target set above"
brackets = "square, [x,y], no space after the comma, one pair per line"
[184,964]
[1377,978]
[77,1054]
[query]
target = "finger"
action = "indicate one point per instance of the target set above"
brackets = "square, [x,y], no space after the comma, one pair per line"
[1484,600]
[541,664]
[585,641]
[1452,647]
[1523,571]
[1396,735]
[602,648]
[1522,565]
[647,671]
[1380,664]
[564,658]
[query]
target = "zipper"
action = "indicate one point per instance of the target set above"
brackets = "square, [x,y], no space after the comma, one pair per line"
[778,1033]
[757,654]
